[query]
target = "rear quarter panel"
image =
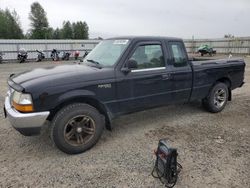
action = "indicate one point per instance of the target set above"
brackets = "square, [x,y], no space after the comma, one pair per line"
[207,73]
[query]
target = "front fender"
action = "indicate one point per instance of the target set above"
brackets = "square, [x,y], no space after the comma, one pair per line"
[74,94]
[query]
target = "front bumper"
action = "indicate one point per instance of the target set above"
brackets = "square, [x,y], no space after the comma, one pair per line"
[26,123]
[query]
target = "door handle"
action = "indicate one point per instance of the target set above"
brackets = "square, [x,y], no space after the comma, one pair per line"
[166,76]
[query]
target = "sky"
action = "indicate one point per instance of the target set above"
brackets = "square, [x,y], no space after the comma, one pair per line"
[176,18]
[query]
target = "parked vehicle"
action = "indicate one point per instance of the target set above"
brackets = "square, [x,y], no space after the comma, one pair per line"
[22,55]
[40,55]
[1,57]
[206,49]
[54,55]
[84,55]
[66,55]
[76,54]
[119,76]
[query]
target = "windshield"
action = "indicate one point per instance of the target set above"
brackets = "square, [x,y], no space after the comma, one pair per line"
[107,52]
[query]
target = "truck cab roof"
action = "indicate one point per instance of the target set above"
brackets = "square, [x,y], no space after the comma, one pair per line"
[145,38]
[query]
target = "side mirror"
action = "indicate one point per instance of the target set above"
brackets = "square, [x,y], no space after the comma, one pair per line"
[125,70]
[131,64]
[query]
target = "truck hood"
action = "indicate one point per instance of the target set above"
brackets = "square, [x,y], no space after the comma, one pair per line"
[57,75]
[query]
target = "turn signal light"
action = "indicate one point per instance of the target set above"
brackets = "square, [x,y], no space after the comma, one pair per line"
[22,108]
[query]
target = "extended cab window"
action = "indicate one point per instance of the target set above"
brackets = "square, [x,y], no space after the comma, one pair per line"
[179,57]
[148,56]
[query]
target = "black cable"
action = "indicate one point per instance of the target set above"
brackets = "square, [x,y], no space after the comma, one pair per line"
[160,177]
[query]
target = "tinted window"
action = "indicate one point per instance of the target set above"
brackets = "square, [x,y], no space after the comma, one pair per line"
[148,56]
[179,56]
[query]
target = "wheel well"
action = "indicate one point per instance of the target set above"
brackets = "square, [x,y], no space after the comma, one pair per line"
[225,80]
[93,102]
[228,82]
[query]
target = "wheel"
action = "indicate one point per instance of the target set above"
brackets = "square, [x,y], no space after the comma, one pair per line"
[217,98]
[76,128]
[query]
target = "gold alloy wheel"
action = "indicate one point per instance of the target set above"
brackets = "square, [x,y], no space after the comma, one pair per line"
[79,130]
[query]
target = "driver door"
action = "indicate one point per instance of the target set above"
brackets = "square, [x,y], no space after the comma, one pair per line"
[148,85]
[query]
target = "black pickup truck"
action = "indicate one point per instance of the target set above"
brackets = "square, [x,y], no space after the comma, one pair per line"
[119,76]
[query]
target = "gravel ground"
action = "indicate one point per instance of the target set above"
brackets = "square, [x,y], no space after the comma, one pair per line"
[214,149]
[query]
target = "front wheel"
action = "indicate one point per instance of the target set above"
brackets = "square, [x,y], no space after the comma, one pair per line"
[76,128]
[217,98]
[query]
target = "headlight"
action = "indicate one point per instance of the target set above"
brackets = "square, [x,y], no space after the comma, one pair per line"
[22,102]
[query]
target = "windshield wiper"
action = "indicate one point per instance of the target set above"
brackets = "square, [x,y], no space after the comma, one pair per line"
[94,62]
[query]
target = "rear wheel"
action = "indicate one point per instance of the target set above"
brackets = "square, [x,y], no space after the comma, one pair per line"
[217,98]
[76,128]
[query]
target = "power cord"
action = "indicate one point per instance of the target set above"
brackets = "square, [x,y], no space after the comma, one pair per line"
[174,174]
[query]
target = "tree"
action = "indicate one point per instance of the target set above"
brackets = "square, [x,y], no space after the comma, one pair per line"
[57,34]
[86,30]
[14,25]
[50,33]
[228,36]
[39,22]
[80,30]
[10,25]
[67,31]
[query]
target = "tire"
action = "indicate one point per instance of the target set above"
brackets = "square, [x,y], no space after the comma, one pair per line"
[217,98]
[76,128]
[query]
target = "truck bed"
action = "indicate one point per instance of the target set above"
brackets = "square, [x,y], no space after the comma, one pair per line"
[208,72]
[216,61]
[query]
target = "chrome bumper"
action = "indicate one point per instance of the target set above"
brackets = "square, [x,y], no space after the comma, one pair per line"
[26,123]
